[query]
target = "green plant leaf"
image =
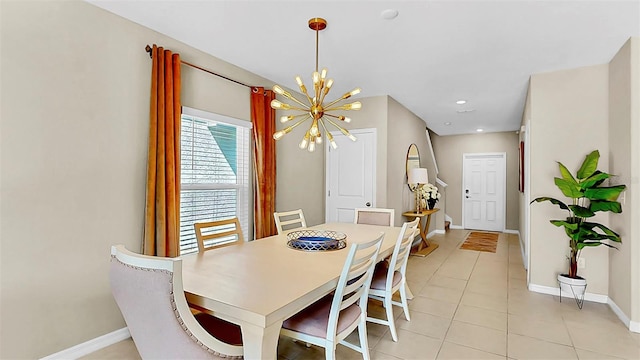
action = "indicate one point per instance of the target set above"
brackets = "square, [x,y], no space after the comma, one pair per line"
[581,211]
[610,193]
[595,243]
[594,180]
[560,204]
[567,225]
[589,165]
[568,188]
[603,205]
[612,235]
[566,174]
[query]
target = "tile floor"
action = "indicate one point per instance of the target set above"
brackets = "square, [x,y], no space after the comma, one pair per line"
[473,305]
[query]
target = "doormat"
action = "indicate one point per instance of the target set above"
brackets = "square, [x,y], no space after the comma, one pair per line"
[481,241]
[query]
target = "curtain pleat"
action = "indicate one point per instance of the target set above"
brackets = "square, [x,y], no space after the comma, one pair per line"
[162,211]
[263,118]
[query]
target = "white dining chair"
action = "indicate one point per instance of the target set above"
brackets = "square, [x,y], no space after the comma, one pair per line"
[219,233]
[289,220]
[148,290]
[391,277]
[328,321]
[374,216]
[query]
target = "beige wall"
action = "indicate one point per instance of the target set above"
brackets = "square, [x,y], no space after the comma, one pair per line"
[405,128]
[569,111]
[449,151]
[373,115]
[75,104]
[624,160]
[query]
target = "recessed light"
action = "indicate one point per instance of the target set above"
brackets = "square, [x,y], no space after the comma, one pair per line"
[461,102]
[479,130]
[389,14]
[448,123]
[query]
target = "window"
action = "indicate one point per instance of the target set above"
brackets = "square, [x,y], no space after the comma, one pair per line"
[214,173]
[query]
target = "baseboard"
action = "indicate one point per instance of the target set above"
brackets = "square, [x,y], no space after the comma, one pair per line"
[90,346]
[508,231]
[553,290]
[436,232]
[633,326]
[458,227]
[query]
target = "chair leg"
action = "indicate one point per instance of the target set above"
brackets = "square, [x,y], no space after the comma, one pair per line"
[330,351]
[364,342]
[389,309]
[405,305]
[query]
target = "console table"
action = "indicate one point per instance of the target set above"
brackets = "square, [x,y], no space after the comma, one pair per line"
[424,248]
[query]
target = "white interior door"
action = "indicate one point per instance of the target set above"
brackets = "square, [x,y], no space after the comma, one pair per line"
[484,191]
[350,175]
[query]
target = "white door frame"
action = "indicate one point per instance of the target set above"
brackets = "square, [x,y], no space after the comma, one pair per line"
[503,155]
[327,166]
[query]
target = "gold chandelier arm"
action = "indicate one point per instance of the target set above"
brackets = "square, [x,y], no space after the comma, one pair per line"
[344,97]
[287,118]
[339,117]
[344,131]
[291,97]
[356,105]
[332,142]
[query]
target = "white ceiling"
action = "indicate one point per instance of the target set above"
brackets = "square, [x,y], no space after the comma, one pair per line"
[432,54]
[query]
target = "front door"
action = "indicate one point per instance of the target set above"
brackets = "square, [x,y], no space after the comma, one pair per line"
[483,192]
[350,175]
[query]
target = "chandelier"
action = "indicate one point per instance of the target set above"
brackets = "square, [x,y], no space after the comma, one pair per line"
[314,108]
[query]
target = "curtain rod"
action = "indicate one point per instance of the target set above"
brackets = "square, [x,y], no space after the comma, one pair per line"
[148,49]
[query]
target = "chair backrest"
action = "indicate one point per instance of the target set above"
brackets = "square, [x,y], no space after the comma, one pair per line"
[215,234]
[402,249]
[353,284]
[289,220]
[149,293]
[374,216]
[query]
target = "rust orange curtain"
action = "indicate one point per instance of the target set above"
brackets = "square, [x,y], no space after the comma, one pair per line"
[162,212]
[263,119]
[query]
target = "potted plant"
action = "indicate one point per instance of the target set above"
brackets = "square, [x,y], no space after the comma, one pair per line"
[588,196]
[429,196]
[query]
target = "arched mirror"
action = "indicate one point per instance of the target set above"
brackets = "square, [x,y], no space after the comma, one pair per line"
[413,161]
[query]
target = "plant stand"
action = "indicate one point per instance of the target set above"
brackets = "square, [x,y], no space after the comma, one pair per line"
[578,288]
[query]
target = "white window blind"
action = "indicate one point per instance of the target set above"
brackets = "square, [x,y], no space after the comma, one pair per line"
[215,157]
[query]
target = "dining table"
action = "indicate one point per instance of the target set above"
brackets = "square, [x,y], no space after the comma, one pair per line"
[259,284]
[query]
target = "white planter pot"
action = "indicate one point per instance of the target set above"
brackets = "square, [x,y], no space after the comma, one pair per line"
[575,287]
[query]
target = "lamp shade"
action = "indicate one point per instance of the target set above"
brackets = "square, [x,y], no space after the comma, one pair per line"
[418,176]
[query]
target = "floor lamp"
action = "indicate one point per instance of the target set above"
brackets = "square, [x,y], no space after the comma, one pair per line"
[419,177]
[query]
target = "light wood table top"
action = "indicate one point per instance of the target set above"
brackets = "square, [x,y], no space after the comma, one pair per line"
[261,283]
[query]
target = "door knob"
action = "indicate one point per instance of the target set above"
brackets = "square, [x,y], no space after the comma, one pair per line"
[368,204]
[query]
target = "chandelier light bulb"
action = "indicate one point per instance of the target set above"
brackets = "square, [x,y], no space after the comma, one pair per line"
[355,91]
[333,144]
[276,104]
[353,138]
[312,146]
[278,89]
[323,74]
[346,119]
[319,139]
[304,142]
[316,78]
[278,135]
[284,119]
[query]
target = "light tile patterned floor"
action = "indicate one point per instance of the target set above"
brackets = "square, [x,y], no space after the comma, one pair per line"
[472,305]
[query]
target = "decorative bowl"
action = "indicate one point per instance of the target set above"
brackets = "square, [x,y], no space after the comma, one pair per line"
[316,240]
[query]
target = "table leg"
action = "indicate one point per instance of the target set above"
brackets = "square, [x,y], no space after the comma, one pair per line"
[424,248]
[261,343]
